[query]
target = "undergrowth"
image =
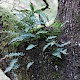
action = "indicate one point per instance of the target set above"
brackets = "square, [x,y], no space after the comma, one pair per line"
[30,26]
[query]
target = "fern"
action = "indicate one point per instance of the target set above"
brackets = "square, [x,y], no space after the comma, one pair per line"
[12,64]
[31,46]
[31,28]
[21,37]
[50,37]
[16,66]
[41,32]
[48,44]
[59,51]
[16,54]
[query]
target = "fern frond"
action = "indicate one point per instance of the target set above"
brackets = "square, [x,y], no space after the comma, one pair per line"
[16,66]
[12,64]
[16,54]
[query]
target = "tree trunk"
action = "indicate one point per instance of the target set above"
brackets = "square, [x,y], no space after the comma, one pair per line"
[69,10]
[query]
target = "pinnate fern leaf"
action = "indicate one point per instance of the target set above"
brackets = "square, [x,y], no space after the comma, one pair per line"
[48,44]
[12,64]
[31,46]
[16,54]
[21,37]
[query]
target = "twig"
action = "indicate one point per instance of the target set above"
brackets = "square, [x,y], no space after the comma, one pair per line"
[6,56]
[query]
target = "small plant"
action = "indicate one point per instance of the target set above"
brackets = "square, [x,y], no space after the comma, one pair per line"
[31,28]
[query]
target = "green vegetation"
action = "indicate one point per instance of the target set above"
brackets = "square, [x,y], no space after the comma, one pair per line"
[29,26]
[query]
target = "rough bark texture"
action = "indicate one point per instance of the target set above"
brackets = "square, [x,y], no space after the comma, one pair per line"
[69,10]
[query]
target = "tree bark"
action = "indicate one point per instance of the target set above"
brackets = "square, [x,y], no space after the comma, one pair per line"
[69,10]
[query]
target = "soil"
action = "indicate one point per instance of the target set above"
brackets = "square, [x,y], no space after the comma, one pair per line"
[45,67]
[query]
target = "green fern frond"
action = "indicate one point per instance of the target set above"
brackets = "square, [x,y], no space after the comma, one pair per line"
[12,64]
[16,54]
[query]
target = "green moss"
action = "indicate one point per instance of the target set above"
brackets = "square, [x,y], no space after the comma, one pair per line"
[8,19]
[57,27]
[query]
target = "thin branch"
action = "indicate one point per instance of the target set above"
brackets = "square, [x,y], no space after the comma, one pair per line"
[6,56]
